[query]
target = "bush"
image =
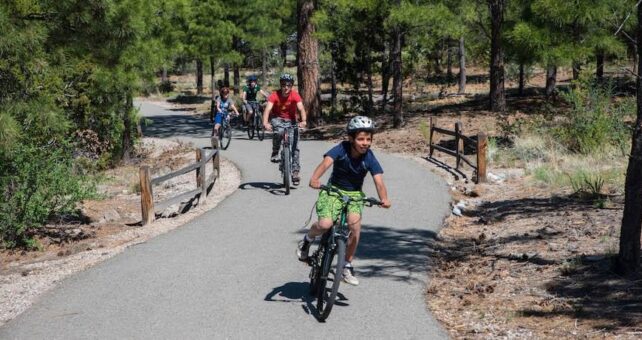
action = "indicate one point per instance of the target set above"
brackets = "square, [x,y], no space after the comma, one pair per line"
[36,184]
[595,120]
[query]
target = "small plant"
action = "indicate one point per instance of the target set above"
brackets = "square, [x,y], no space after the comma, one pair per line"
[570,266]
[587,185]
[425,131]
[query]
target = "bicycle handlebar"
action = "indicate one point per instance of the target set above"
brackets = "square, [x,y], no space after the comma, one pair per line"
[370,201]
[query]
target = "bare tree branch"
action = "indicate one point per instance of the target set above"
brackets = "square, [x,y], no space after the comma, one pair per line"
[627,18]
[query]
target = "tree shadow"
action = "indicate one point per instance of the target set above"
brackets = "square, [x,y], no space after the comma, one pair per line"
[595,293]
[173,125]
[189,99]
[490,212]
[395,254]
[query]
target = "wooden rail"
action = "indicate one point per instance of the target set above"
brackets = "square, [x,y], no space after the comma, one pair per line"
[204,183]
[461,140]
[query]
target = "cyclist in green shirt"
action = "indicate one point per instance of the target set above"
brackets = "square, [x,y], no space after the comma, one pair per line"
[249,95]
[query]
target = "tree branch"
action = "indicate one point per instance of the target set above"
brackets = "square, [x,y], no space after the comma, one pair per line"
[627,18]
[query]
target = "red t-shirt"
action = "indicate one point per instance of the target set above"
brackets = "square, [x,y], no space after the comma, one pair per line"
[284,107]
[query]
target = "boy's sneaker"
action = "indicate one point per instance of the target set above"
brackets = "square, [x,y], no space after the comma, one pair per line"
[348,276]
[295,178]
[302,250]
[274,158]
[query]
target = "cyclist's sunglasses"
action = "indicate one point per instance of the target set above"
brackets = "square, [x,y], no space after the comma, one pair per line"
[286,84]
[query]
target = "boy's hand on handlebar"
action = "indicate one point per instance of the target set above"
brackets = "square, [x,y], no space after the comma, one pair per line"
[315,183]
[385,203]
[268,126]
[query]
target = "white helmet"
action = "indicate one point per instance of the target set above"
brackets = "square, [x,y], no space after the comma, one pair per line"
[360,123]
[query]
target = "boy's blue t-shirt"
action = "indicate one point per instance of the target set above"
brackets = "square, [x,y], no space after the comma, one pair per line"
[348,173]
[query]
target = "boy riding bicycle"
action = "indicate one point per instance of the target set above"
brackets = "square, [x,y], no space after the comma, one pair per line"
[281,110]
[351,161]
[223,105]
[249,95]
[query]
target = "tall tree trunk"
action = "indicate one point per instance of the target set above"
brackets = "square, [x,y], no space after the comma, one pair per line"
[449,61]
[577,67]
[386,72]
[127,122]
[237,79]
[213,85]
[599,67]
[551,80]
[397,81]
[199,76]
[436,58]
[226,75]
[308,68]
[264,62]
[368,69]
[333,74]
[284,53]
[497,93]
[522,79]
[629,254]
[164,75]
[462,66]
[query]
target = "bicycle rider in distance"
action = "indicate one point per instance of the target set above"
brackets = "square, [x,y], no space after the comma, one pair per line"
[281,109]
[351,161]
[249,94]
[223,106]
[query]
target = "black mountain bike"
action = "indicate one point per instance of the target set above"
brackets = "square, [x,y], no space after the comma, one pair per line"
[225,132]
[324,276]
[285,165]
[255,122]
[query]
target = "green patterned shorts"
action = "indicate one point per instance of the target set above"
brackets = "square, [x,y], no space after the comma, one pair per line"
[329,205]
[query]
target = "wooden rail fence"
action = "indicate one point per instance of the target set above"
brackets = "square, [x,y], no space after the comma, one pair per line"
[480,145]
[204,183]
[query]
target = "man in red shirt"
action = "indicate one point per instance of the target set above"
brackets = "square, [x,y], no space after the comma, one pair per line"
[281,111]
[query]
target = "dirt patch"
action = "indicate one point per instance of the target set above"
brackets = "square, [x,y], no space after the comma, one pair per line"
[109,226]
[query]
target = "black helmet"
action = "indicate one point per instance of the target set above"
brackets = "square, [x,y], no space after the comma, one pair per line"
[287,77]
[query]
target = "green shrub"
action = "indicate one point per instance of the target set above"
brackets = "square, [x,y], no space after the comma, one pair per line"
[595,120]
[36,184]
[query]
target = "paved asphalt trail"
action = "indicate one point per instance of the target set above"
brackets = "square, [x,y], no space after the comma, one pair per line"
[232,272]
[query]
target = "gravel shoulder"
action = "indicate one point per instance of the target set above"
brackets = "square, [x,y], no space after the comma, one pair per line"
[25,276]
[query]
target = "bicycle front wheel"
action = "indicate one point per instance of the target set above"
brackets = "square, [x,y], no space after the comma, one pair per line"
[330,279]
[250,128]
[287,169]
[225,136]
[260,129]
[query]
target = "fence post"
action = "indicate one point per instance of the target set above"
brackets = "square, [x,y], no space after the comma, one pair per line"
[482,145]
[431,149]
[216,170]
[459,144]
[200,175]
[146,195]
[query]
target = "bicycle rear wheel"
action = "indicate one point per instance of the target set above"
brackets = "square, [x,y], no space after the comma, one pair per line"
[225,135]
[287,169]
[329,280]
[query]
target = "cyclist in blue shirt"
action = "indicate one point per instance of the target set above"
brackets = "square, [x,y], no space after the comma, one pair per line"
[351,161]
[223,106]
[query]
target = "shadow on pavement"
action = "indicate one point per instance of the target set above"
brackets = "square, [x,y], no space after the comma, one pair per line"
[176,125]
[300,292]
[394,253]
[273,188]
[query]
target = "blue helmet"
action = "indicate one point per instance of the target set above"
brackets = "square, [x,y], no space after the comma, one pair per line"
[251,78]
